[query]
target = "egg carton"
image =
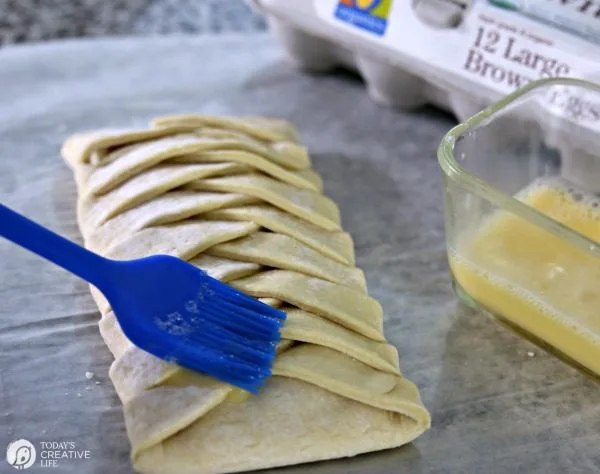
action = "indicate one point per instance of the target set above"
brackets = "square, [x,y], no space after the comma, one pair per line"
[459,55]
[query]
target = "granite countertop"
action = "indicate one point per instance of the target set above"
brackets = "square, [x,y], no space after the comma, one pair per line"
[39,20]
[495,407]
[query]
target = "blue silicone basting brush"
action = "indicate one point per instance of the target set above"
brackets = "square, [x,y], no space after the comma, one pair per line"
[168,307]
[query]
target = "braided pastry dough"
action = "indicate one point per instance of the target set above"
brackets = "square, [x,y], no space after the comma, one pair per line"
[237,197]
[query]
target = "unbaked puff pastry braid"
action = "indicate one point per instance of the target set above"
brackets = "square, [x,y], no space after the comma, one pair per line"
[238,198]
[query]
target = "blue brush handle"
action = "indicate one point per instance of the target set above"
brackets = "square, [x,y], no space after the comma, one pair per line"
[72,257]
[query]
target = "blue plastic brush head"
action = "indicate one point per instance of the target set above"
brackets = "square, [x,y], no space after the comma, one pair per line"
[180,314]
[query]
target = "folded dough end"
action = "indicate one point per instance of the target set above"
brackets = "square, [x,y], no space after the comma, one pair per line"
[291,422]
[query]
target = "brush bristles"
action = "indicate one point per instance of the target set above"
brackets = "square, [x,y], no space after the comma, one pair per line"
[225,367]
[226,334]
[247,350]
[239,299]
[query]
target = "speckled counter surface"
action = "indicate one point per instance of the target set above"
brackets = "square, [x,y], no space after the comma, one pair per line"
[495,407]
[39,20]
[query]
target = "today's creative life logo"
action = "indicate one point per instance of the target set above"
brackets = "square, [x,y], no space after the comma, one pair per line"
[370,15]
[20,454]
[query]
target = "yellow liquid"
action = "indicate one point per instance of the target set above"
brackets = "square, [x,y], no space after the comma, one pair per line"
[237,395]
[534,280]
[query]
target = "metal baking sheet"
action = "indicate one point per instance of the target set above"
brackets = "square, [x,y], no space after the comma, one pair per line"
[499,404]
